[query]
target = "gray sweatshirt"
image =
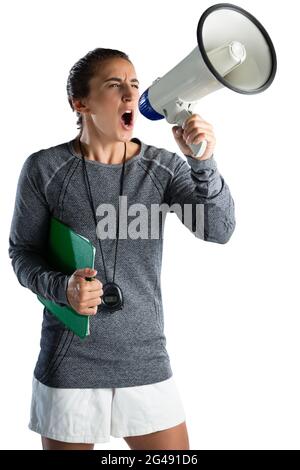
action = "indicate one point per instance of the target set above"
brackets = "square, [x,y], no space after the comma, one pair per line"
[127,347]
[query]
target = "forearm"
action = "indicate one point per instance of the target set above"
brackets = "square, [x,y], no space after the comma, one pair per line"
[34,273]
[199,185]
[212,191]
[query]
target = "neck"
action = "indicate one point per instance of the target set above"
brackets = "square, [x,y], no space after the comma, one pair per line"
[102,150]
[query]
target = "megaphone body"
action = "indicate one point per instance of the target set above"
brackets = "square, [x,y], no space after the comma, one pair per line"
[234,51]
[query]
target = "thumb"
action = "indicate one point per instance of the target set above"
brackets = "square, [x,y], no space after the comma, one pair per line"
[177,131]
[85,272]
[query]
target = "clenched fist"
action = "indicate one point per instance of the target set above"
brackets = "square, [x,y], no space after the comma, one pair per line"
[83,295]
[195,131]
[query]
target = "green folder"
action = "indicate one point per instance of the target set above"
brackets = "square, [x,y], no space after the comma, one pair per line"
[66,252]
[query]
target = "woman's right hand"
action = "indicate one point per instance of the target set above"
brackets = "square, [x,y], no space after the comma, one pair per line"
[83,295]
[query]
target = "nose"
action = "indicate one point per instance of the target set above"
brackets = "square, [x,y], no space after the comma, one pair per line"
[127,96]
[128,93]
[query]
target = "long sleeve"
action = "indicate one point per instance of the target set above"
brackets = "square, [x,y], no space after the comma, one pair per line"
[28,237]
[199,184]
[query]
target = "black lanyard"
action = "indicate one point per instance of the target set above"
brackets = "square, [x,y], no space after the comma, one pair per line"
[112,299]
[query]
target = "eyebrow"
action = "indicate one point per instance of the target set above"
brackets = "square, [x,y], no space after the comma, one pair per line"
[119,79]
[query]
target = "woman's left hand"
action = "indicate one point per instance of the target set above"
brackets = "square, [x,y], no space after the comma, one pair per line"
[195,131]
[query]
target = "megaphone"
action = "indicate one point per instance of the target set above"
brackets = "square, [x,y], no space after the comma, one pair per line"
[234,51]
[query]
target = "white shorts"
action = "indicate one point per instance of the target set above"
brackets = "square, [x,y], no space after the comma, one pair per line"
[91,415]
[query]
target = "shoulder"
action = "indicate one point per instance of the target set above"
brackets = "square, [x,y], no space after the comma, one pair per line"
[46,160]
[160,160]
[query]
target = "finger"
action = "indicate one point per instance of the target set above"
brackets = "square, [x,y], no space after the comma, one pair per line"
[85,288]
[89,311]
[197,125]
[93,283]
[199,130]
[90,307]
[85,272]
[87,296]
[198,138]
[93,295]
[178,131]
[192,118]
[92,287]
[94,302]
[83,281]
[206,135]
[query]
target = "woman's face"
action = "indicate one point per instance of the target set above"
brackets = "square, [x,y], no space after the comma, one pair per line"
[114,89]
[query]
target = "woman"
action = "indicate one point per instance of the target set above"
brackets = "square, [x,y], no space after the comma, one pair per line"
[118,381]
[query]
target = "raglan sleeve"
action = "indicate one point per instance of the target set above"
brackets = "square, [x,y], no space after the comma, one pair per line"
[201,199]
[28,237]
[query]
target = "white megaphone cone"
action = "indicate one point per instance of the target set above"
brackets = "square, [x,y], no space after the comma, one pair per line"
[234,51]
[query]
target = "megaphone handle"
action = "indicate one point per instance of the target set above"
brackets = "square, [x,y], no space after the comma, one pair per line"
[197,149]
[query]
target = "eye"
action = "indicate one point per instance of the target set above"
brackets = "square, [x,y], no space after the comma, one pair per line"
[117,84]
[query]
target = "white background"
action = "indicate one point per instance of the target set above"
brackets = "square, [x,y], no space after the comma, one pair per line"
[234,344]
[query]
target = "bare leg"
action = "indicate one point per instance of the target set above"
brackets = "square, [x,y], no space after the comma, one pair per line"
[51,444]
[175,438]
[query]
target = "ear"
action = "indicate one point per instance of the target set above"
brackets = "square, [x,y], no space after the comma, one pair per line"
[79,105]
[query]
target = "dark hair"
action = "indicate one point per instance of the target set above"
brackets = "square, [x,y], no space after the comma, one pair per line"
[84,69]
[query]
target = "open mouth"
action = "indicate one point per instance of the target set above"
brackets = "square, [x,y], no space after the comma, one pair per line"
[127,119]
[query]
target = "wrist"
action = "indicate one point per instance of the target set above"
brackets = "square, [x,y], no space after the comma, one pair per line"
[199,158]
